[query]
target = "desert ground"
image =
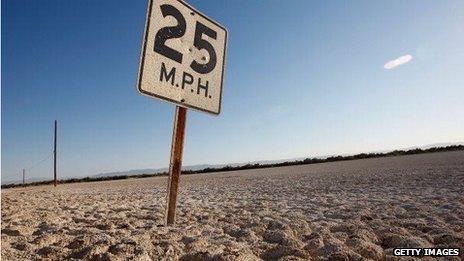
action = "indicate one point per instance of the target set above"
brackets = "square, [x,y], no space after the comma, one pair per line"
[351,210]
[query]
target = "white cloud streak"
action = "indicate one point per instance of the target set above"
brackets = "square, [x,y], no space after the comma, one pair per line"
[398,61]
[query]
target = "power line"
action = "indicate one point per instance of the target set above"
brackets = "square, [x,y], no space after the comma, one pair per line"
[40,162]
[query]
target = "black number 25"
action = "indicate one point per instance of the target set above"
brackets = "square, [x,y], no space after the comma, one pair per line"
[178,31]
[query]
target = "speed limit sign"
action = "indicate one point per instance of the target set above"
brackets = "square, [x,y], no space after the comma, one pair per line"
[183,56]
[182,61]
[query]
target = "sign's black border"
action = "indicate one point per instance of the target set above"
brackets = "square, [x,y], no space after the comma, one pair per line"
[142,61]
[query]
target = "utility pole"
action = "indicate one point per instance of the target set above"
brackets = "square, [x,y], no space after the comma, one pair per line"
[54,159]
[24,177]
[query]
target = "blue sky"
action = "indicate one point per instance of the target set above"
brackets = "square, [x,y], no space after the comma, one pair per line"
[303,78]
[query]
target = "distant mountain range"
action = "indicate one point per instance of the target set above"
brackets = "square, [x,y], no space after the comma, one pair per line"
[215,166]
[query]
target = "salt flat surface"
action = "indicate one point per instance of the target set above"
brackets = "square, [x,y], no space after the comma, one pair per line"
[354,210]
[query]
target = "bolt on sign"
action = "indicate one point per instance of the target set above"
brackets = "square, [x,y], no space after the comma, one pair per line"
[183,56]
[182,62]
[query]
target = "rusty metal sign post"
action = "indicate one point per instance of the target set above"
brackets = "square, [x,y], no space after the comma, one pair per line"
[182,62]
[175,166]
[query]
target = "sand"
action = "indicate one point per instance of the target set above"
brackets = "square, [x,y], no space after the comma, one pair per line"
[352,210]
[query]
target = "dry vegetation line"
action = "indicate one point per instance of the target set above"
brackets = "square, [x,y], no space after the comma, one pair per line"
[354,210]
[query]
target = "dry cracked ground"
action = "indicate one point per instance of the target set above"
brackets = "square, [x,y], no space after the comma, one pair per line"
[352,210]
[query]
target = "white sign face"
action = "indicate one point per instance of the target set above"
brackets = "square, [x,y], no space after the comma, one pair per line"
[183,56]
